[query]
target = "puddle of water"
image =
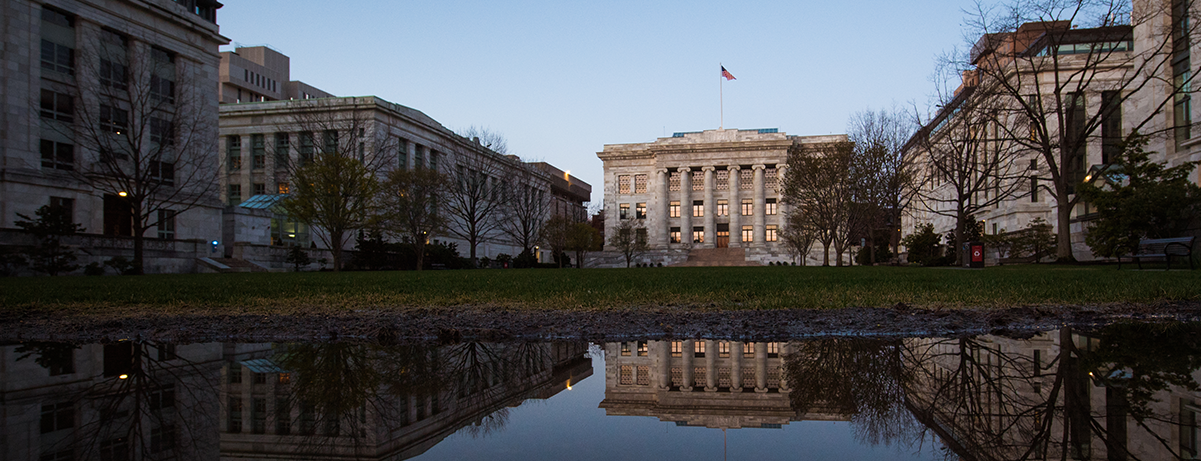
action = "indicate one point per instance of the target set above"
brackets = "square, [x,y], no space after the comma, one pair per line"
[1121,392]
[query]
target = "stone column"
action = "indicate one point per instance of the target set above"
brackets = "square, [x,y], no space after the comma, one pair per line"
[760,222]
[735,364]
[658,210]
[760,365]
[663,363]
[735,207]
[686,207]
[686,365]
[710,363]
[710,210]
[781,207]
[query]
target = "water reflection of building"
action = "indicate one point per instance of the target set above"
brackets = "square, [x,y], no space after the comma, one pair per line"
[718,384]
[1049,397]
[115,401]
[262,416]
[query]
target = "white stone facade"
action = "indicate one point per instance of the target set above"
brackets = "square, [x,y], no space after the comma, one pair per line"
[51,46]
[711,189]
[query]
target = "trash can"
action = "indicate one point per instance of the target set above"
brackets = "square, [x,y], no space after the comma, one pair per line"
[975,255]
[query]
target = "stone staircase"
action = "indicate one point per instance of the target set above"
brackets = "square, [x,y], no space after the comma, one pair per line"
[702,257]
[232,265]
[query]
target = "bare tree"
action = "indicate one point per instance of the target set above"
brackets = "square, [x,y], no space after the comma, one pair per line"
[970,161]
[526,206]
[139,110]
[798,236]
[491,140]
[629,237]
[1044,60]
[889,176]
[475,199]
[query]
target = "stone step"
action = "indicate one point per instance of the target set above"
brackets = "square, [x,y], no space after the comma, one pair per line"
[239,265]
[716,257]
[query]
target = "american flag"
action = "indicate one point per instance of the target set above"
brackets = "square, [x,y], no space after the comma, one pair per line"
[725,73]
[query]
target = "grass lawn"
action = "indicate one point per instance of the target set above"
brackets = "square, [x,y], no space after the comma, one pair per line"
[589,289]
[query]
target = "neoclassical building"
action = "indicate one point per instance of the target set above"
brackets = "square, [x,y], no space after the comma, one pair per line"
[709,190]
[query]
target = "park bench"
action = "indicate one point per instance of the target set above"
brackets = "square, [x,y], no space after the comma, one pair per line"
[1163,248]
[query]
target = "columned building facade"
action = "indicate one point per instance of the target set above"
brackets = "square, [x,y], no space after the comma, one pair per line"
[713,189]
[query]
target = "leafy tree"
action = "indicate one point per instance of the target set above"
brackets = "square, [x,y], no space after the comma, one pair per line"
[581,239]
[1035,241]
[923,245]
[1139,199]
[628,240]
[336,193]
[49,255]
[409,202]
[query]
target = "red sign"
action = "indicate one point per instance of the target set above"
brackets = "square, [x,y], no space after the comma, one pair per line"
[977,253]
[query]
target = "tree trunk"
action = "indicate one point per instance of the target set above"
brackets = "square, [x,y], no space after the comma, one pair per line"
[959,225]
[825,253]
[1063,248]
[420,247]
[139,246]
[335,240]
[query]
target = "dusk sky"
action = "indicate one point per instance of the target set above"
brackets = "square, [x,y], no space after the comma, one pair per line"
[561,79]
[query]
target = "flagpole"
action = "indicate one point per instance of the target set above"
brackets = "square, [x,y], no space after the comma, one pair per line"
[721,97]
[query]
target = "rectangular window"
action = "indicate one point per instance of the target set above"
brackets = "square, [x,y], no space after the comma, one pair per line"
[1111,125]
[1033,181]
[771,233]
[433,160]
[642,349]
[163,172]
[281,150]
[56,417]
[283,416]
[162,398]
[748,233]
[162,439]
[258,151]
[1075,139]
[773,350]
[723,208]
[1182,69]
[306,148]
[57,155]
[402,153]
[113,119]
[699,347]
[625,349]
[233,150]
[640,184]
[113,71]
[675,235]
[748,351]
[330,142]
[166,224]
[115,449]
[57,106]
[258,415]
[640,235]
[281,187]
[162,78]
[770,207]
[748,207]
[58,41]
[624,211]
[677,348]
[723,349]
[623,184]
[258,189]
[68,209]
[161,131]
[698,234]
[698,208]
[235,194]
[640,211]
[235,415]
[673,209]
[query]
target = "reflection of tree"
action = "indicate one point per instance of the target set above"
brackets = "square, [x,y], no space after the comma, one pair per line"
[348,391]
[147,404]
[857,377]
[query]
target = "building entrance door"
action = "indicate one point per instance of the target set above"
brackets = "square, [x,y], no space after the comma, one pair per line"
[723,235]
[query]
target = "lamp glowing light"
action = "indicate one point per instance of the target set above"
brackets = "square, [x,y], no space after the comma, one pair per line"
[124,376]
[123,193]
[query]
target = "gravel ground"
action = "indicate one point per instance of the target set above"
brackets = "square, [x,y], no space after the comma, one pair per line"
[474,323]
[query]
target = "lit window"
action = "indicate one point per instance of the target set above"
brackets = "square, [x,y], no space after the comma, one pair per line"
[698,208]
[624,211]
[748,207]
[675,235]
[673,209]
[723,349]
[642,349]
[771,233]
[771,207]
[640,211]
[625,349]
[700,348]
[723,208]
[748,350]
[677,348]
[282,187]
[748,234]
[773,350]
[698,234]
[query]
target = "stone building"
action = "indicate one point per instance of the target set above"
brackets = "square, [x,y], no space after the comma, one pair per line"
[75,77]
[706,383]
[1106,82]
[710,194]
[259,73]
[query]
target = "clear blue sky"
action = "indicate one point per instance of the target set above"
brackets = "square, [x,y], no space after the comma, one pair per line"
[560,79]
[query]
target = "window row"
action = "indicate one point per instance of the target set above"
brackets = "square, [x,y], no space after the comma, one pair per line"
[58,55]
[770,207]
[724,349]
[770,233]
[260,81]
[307,145]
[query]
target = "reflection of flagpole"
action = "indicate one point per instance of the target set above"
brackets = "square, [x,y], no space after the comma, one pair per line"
[725,450]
